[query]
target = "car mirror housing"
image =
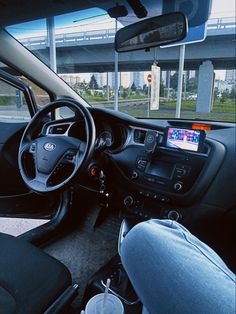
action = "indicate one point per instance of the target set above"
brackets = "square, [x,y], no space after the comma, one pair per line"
[152,32]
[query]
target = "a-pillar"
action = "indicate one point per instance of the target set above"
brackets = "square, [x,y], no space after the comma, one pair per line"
[205,87]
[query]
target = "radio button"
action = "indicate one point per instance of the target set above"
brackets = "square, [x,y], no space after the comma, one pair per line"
[134,175]
[186,168]
[160,182]
[179,173]
[173,215]
[178,186]
[164,199]
[150,179]
[128,201]
[141,163]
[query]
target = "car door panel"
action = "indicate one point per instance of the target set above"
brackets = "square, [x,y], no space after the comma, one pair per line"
[15,197]
[11,182]
[16,200]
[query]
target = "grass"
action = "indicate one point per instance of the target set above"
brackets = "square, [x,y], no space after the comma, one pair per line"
[227,106]
[221,111]
[7,100]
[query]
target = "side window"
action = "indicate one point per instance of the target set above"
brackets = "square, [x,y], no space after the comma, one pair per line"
[13,106]
[41,96]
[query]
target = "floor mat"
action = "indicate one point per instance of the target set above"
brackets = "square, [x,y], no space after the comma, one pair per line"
[85,250]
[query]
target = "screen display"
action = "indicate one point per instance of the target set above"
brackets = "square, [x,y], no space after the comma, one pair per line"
[185,139]
[161,169]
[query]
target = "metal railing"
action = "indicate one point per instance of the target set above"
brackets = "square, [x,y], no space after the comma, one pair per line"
[221,23]
[215,24]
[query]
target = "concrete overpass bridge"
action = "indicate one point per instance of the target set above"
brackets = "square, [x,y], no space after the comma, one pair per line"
[93,51]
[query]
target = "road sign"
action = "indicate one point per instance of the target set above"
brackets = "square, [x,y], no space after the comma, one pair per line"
[155,87]
[195,34]
[149,78]
[197,13]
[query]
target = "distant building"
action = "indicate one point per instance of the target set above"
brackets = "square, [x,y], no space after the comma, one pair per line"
[138,79]
[125,79]
[223,85]
[230,76]
[70,79]
[111,79]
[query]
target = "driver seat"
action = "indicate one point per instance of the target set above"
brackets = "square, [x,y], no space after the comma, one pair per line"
[31,281]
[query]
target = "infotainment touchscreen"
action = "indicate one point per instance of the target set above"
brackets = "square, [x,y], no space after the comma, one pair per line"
[185,139]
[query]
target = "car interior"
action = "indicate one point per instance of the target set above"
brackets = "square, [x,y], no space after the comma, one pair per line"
[94,173]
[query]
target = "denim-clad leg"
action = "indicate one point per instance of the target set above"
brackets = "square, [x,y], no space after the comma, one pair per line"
[174,272]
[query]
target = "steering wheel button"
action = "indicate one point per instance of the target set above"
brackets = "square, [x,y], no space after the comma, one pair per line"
[69,157]
[32,148]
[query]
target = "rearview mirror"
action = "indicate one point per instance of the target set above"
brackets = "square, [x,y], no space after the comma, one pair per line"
[152,32]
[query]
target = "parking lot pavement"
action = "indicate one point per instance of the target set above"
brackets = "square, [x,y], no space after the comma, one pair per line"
[17,226]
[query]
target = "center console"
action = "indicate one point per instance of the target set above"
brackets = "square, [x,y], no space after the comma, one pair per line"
[170,164]
[162,173]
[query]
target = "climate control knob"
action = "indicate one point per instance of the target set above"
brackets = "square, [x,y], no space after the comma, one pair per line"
[178,186]
[173,215]
[134,175]
[128,201]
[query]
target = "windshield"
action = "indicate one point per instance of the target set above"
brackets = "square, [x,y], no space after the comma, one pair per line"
[140,83]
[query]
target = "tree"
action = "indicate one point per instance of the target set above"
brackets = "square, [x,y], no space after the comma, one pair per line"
[145,89]
[93,83]
[224,95]
[191,85]
[133,87]
[232,93]
[83,85]
[162,88]
[216,92]
[174,81]
[124,93]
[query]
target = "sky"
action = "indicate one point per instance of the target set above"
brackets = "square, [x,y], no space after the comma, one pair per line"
[223,8]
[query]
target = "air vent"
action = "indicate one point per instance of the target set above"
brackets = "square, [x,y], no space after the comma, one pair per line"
[139,136]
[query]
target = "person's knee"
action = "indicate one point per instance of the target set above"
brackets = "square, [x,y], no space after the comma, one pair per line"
[159,231]
[145,238]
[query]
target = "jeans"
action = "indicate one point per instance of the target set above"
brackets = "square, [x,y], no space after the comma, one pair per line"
[174,272]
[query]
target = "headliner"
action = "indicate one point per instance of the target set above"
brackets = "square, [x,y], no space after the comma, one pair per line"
[18,11]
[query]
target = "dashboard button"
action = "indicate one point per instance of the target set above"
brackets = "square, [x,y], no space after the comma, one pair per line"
[178,186]
[160,182]
[173,215]
[128,201]
[134,175]
[154,196]
[141,163]
[164,199]
[179,173]
[150,179]
[186,168]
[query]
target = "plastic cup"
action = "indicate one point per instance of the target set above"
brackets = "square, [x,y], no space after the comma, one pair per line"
[113,305]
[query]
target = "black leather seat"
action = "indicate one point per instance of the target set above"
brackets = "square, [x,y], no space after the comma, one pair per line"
[30,280]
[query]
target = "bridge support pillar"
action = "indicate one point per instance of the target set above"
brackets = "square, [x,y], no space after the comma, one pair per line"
[205,87]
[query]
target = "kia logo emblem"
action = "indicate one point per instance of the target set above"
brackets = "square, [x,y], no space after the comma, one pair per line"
[49,146]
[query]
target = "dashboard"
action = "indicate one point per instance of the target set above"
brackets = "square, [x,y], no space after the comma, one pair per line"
[159,168]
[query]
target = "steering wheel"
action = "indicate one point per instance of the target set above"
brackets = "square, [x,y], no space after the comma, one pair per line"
[48,163]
